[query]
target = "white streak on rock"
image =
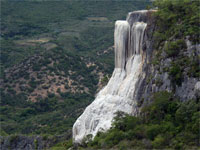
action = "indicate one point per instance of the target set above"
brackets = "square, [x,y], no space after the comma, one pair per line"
[119,94]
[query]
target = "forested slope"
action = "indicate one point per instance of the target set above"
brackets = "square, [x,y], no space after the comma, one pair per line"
[55,55]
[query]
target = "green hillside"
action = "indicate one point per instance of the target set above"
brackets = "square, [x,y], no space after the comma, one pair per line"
[55,55]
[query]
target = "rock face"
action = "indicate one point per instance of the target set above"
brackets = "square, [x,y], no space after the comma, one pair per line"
[121,92]
[22,142]
[136,76]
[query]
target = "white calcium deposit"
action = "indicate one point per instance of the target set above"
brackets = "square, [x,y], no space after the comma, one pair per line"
[119,94]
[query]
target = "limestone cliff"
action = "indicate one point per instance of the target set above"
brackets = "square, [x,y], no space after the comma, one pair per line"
[121,92]
[135,77]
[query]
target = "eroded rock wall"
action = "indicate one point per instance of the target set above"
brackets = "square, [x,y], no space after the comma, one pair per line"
[141,69]
[121,92]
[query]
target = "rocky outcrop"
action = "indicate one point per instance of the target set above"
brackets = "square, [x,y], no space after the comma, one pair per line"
[121,92]
[141,69]
[22,142]
[158,75]
[136,76]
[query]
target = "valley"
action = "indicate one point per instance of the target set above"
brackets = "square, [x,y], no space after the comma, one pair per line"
[55,56]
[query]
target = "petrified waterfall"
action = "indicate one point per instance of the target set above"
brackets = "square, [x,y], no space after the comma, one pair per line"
[119,94]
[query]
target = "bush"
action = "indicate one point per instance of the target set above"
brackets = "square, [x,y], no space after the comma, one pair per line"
[195,123]
[3,133]
[186,111]
[159,142]
[27,111]
[176,74]
[173,48]
[125,122]
[114,137]
[153,130]
[139,132]
[161,105]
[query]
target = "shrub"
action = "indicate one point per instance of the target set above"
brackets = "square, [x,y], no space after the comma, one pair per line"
[194,67]
[36,143]
[173,48]
[97,140]
[156,111]
[168,128]
[139,132]
[125,122]
[105,80]
[3,133]
[185,112]
[114,137]
[124,145]
[176,74]
[195,123]
[27,111]
[159,142]
[153,130]
[87,139]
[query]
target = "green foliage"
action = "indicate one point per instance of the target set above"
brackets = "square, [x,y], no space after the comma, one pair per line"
[176,74]
[125,122]
[66,23]
[186,111]
[161,105]
[164,124]
[3,133]
[194,70]
[158,142]
[62,145]
[178,19]
[115,137]
[47,116]
[87,139]
[105,80]
[36,143]
[153,131]
[173,48]
[108,140]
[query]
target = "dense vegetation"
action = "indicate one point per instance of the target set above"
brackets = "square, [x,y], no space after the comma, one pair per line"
[72,25]
[178,21]
[179,18]
[52,56]
[53,113]
[165,123]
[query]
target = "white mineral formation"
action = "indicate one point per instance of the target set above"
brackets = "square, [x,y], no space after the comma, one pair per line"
[119,94]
